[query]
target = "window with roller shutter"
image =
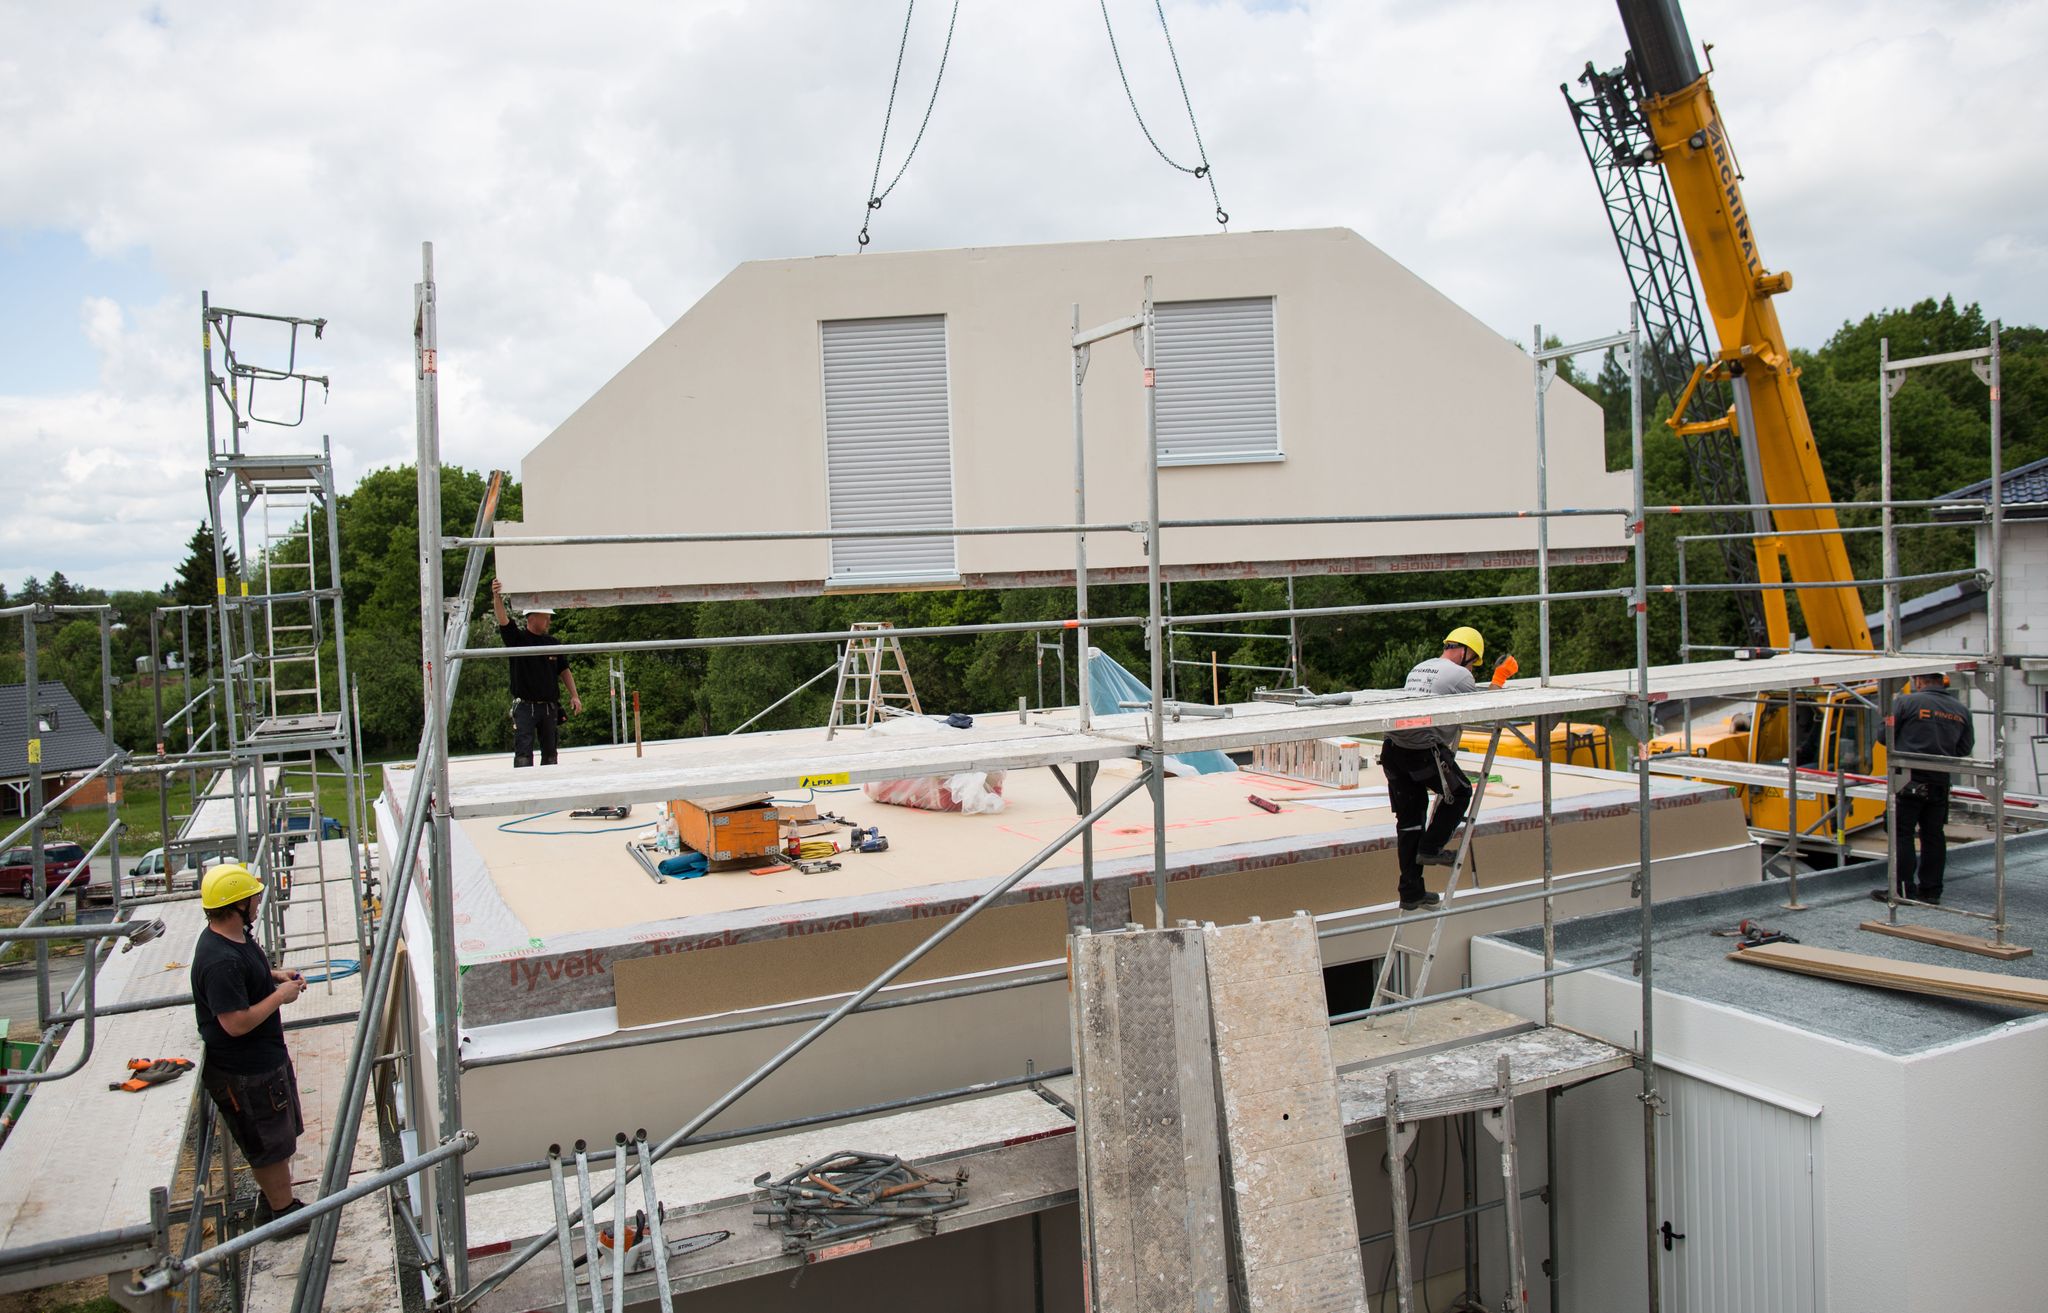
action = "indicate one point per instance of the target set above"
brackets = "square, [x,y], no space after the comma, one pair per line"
[888,447]
[1219,400]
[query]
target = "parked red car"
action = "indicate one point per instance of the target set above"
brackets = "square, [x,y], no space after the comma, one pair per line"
[17,876]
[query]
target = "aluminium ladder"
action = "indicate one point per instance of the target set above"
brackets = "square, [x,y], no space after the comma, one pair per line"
[1407,961]
[1495,1108]
[867,665]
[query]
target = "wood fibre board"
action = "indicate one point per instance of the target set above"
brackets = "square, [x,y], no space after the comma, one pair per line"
[1147,1136]
[668,986]
[1910,977]
[559,884]
[1289,1177]
[1927,934]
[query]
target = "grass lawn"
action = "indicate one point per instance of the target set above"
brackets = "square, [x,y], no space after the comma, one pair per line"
[140,809]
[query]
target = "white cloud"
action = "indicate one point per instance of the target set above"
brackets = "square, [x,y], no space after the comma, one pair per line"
[587,171]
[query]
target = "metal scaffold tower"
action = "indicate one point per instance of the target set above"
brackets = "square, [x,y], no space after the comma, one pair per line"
[283,650]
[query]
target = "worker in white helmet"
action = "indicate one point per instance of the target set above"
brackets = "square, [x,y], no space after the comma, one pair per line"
[536,700]
[1423,761]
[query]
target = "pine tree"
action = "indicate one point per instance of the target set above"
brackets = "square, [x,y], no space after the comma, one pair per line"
[194,585]
[32,590]
[62,591]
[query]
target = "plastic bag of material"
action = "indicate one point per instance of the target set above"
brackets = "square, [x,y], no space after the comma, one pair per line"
[971,792]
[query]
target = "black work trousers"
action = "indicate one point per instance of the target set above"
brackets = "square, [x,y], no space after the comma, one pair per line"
[1922,858]
[535,720]
[1413,775]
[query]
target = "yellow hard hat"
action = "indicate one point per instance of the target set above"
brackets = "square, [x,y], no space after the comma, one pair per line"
[227,884]
[1467,636]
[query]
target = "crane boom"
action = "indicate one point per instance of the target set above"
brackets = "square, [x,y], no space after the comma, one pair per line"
[1690,142]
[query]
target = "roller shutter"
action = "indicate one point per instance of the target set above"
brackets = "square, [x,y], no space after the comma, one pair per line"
[888,447]
[1218,399]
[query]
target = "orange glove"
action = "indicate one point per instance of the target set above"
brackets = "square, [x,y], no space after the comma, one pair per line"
[1504,670]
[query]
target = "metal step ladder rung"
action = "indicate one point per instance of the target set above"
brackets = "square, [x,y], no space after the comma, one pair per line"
[1495,1109]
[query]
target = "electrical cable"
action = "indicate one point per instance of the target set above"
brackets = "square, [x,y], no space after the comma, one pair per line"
[877,193]
[506,826]
[1202,170]
[338,968]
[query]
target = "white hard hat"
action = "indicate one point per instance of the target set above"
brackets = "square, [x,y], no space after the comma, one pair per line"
[538,610]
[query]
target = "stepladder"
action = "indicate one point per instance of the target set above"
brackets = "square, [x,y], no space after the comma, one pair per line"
[874,680]
[1404,971]
[1494,1107]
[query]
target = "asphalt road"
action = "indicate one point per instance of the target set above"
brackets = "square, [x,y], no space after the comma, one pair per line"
[18,981]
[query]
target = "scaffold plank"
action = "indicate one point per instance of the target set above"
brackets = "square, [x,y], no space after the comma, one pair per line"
[790,759]
[1151,1185]
[1289,1175]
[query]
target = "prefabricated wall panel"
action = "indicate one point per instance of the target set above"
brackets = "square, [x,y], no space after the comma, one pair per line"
[1385,398]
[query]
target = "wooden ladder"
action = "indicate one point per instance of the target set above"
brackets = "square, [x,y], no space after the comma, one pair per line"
[1407,961]
[867,666]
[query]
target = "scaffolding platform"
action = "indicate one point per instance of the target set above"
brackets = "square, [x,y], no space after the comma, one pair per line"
[83,1160]
[1013,1144]
[297,727]
[789,759]
[2022,808]
[266,470]
[81,1163]
[213,820]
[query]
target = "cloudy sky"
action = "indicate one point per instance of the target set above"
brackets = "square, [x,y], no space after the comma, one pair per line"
[586,171]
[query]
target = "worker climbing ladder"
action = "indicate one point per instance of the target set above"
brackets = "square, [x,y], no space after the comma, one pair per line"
[1495,1108]
[1404,971]
[874,681]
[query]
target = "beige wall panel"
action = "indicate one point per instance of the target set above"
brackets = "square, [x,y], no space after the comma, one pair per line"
[1392,399]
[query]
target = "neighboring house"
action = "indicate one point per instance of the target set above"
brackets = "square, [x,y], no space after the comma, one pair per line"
[1954,619]
[72,744]
[1298,373]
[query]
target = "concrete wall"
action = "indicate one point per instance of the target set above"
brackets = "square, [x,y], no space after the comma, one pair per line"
[1392,399]
[1921,1206]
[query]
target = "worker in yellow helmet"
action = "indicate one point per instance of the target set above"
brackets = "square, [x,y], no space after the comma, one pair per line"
[1420,762]
[236,994]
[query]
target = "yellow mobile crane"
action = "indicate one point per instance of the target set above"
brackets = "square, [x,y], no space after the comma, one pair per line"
[1666,170]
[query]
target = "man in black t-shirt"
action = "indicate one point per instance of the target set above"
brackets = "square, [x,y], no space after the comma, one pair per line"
[536,708]
[236,995]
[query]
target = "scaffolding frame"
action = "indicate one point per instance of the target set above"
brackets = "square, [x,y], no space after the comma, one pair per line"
[219,733]
[1638,877]
[428,815]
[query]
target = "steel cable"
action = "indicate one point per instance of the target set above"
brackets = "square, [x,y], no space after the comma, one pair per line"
[877,193]
[1201,170]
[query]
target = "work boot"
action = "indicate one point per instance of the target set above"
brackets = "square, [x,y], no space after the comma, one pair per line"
[1437,858]
[1425,899]
[1884,895]
[265,1213]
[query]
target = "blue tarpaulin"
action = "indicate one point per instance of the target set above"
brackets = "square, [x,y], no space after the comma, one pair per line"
[1109,683]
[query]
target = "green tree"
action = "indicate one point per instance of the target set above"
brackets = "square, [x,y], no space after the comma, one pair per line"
[195,584]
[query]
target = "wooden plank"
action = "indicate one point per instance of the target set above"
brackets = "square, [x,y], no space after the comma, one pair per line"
[1909,977]
[1147,1130]
[1296,1228]
[1927,934]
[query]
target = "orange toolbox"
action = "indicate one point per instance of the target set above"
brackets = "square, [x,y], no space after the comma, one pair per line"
[729,829]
